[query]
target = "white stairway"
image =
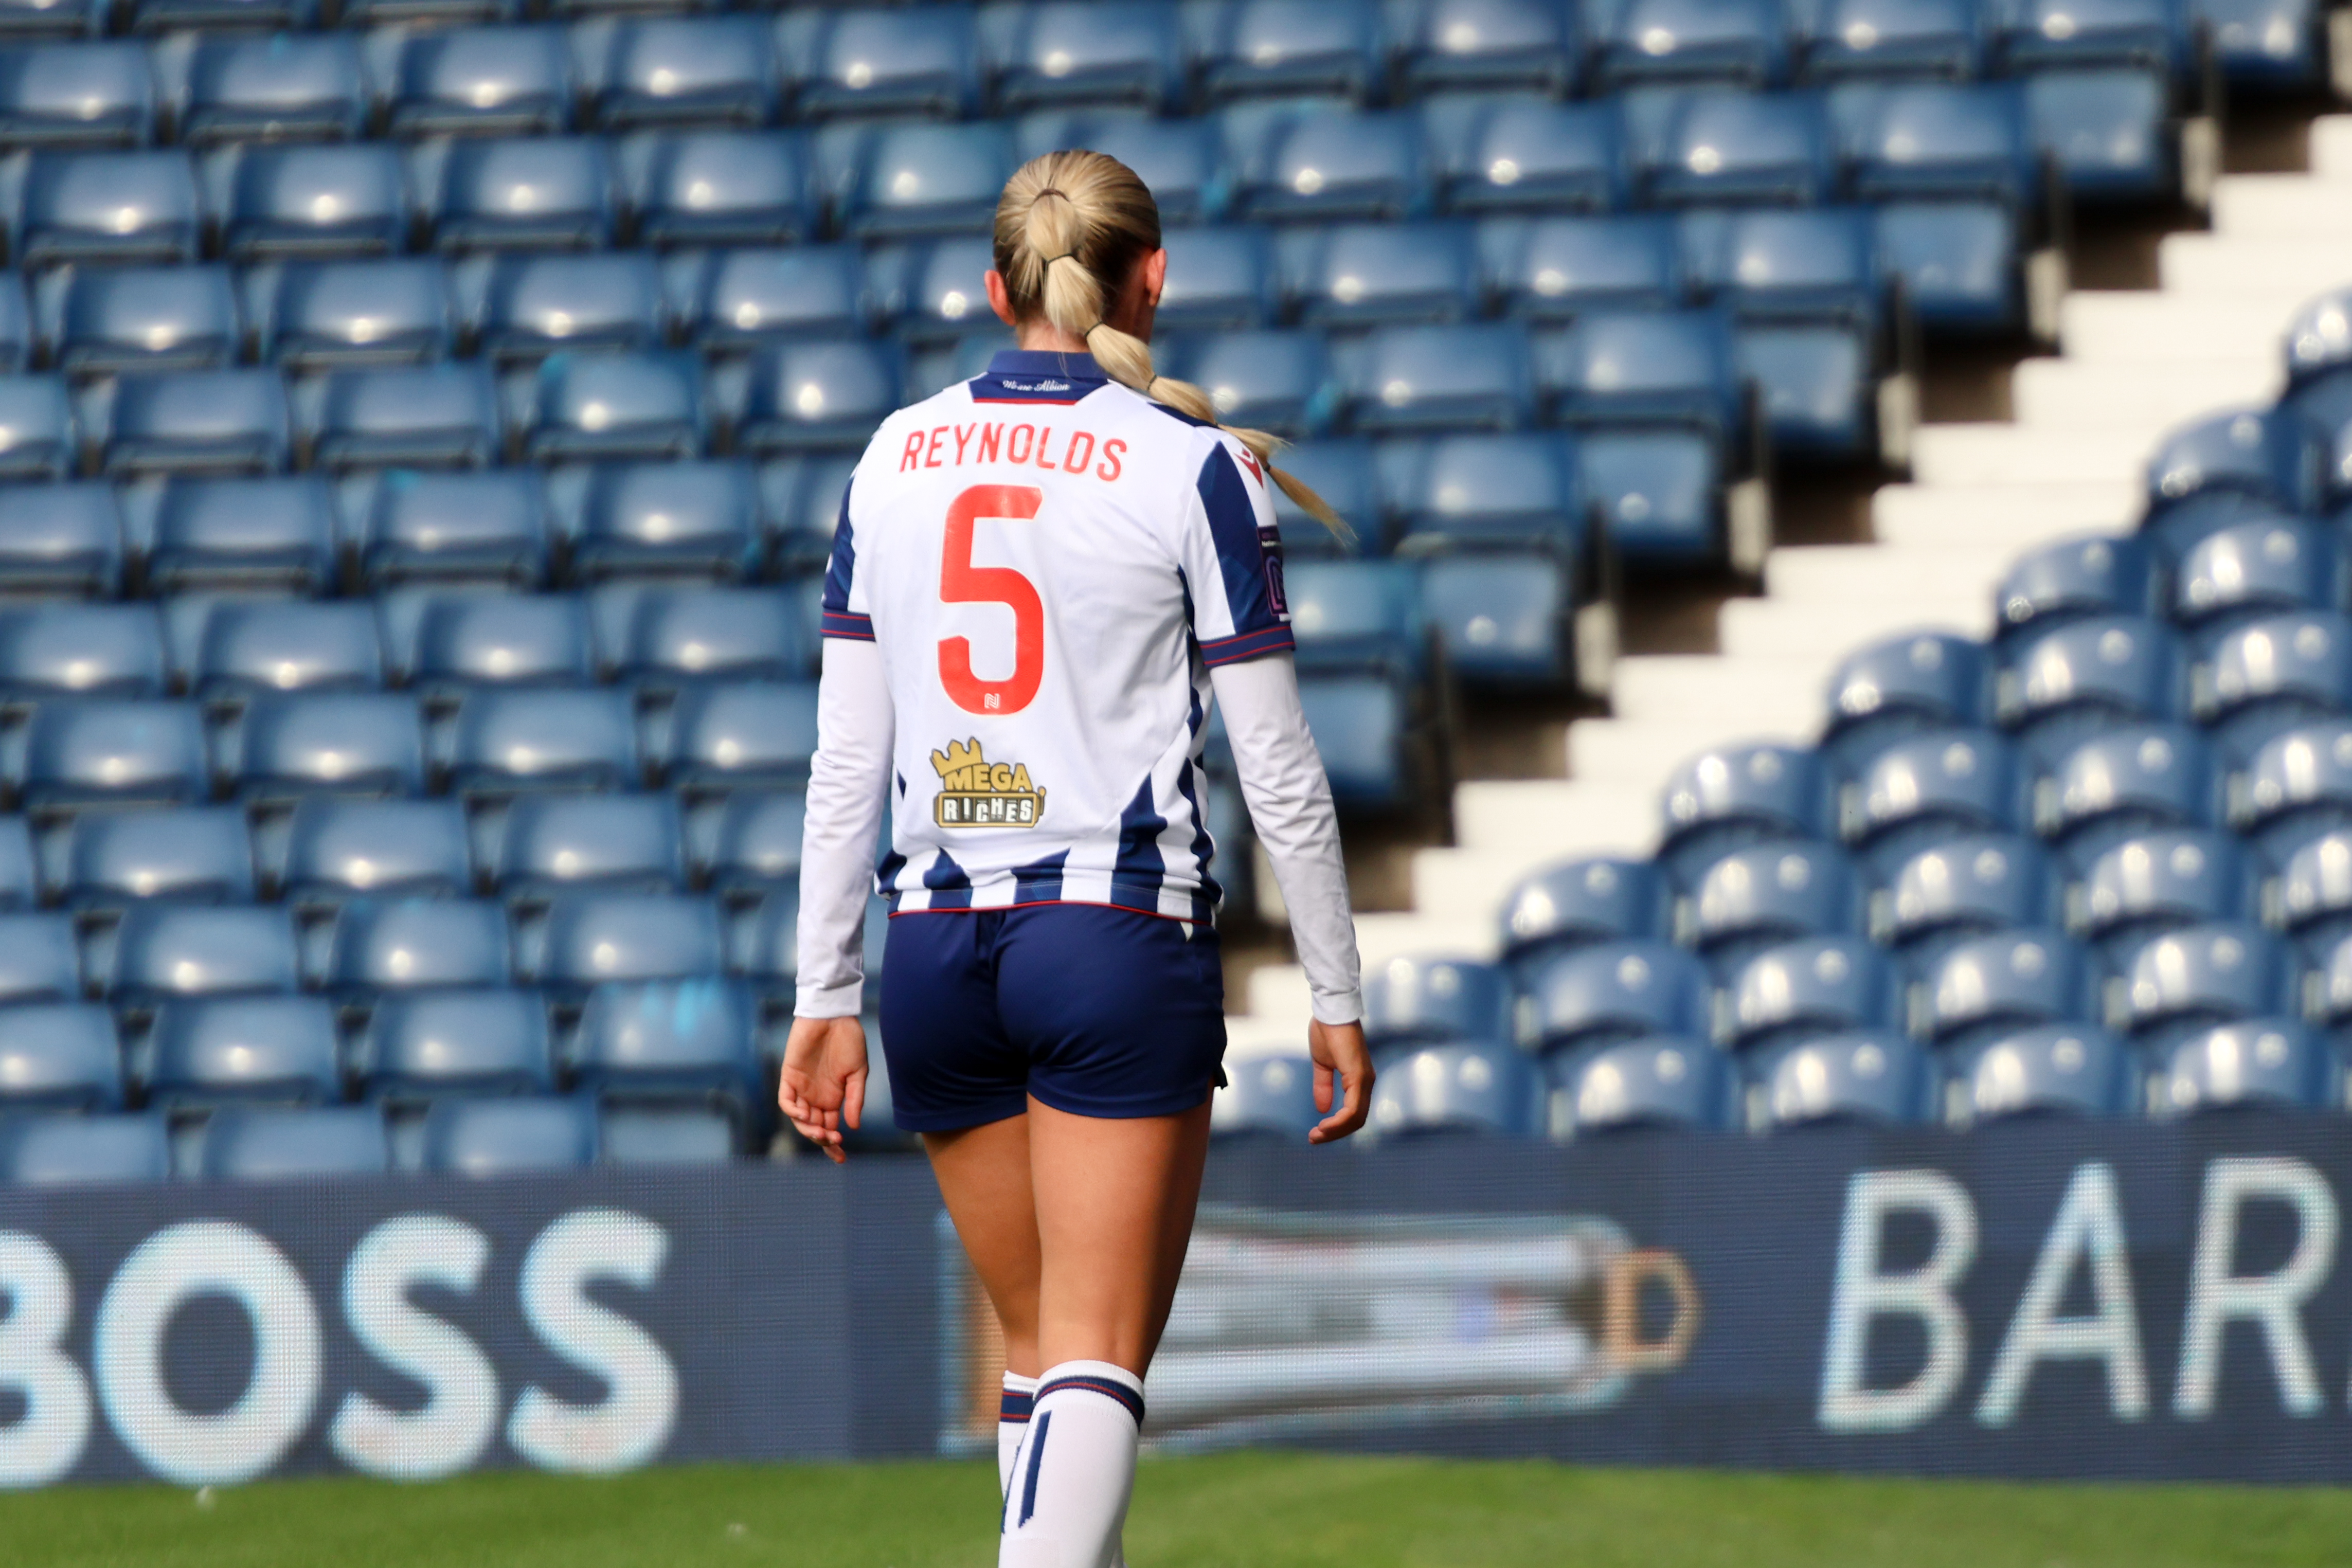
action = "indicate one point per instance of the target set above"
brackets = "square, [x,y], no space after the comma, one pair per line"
[2133,366]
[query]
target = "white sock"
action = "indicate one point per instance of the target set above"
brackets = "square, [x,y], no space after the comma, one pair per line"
[1011,1425]
[1066,1498]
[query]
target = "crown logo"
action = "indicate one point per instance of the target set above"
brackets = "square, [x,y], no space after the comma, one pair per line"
[977,793]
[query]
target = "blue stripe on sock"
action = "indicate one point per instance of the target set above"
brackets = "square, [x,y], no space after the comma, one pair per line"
[1037,1453]
[1012,1407]
[1126,1398]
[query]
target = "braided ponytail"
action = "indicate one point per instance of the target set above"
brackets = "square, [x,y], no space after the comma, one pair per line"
[1066,221]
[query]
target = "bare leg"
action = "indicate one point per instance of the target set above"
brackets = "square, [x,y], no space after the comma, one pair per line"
[1113,1215]
[984,1175]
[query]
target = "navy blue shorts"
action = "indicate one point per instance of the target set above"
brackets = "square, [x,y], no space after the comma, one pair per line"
[1096,1011]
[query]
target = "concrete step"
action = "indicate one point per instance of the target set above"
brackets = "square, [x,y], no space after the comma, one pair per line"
[2282,206]
[2011,517]
[2225,265]
[1644,755]
[1381,937]
[2139,327]
[2053,393]
[1541,818]
[2331,147]
[1703,688]
[1765,628]
[1464,890]
[1814,572]
[2014,455]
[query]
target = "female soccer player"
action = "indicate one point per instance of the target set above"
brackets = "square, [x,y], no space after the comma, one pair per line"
[1040,578]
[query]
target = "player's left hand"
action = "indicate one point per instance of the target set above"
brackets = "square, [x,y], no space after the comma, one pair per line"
[823,1087]
[1341,1053]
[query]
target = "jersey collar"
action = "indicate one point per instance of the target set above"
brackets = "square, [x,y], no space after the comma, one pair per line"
[1037,375]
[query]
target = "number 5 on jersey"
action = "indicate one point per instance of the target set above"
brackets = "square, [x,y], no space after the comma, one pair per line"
[960,582]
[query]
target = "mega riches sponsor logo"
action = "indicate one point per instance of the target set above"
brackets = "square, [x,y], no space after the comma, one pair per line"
[977,793]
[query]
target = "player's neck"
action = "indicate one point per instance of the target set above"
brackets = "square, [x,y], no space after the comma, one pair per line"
[1043,337]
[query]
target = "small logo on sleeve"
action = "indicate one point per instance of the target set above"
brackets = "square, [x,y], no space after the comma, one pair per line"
[1250,462]
[977,793]
[1269,540]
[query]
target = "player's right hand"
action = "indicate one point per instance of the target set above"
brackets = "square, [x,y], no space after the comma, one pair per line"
[823,1087]
[1339,1052]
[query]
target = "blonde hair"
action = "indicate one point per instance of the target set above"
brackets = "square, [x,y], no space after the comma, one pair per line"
[1067,221]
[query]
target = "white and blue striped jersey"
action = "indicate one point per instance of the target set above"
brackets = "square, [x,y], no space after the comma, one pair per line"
[1050,564]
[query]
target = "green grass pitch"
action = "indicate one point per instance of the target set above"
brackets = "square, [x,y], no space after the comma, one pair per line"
[1237,1511]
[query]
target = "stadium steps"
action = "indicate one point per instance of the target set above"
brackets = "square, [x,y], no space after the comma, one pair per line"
[2133,365]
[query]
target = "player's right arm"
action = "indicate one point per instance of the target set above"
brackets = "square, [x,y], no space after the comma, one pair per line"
[822,1086]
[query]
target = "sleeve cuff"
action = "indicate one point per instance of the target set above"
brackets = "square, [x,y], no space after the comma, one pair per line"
[1344,1006]
[842,1002]
[1247,645]
[844,623]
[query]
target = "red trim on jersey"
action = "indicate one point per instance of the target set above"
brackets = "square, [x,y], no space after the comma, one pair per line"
[1246,645]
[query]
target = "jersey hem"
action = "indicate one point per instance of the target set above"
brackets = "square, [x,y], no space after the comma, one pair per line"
[1204,913]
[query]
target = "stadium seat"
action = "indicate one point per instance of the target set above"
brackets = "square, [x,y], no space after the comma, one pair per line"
[718,188]
[739,298]
[1930,787]
[1578,902]
[1890,40]
[526,307]
[1481,1089]
[316,203]
[2075,578]
[1621,369]
[595,938]
[1741,795]
[1362,726]
[2268,1062]
[816,397]
[2298,786]
[508,742]
[39,963]
[1515,155]
[1992,985]
[198,855]
[58,1055]
[167,16]
[1650,41]
[81,650]
[59,1151]
[2062,1070]
[2124,781]
[1555,269]
[1901,687]
[1281,380]
[2159,882]
[1718,146]
[665,1134]
[388,13]
[556,843]
[19,877]
[242,647]
[61,539]
[343,848]
[800,499]
[94,94]
[1357,615]
[908,181]
[658,519]
[442,641]
[38,438]
[2188,979]
[2215,471]
[1277,48]
[206,534]
[545,193]
[1427,379]
[108,207]
[2107,133]
[1507,617]
[609,407]
[671,1041]
[932,290]
[1182,161]
[163,951]
[100,321]
[96,751]
[1656,1082]
[898,60]
[508,1136]
[2273,674]
[69,19]
[1870,1076]
[1613,990]
[2311,896]
[475,81]
[324,315]
[285,747]
[661,639]
[750,842]
[1661,495]
[402,417]
[1416,1001]
[247,1144]
[1320,162]
[1936,142]
[1065,53]
[1759,898]
[1812,986]
[453,526]
[2256,570]
[2078,678]
[197,422]
[414,943]
[1344,473]
[1268,1097]
[675,70]
[1490,46]
[1378,274]
[764,944]
[1220,279]
[208,1051]
[286,87]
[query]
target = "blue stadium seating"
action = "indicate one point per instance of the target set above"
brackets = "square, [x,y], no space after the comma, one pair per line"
[816,397]
[2245,572]
[496,1137]
[1357,615]
[58,1055]
[1063,53]
[1739,796]
[98,321]
[76,95]
[596,938]
[660,70]
[2055,1069]
[314,315]
[411,944]
[914,60]
[546,193]
[1930,786]
[932,289]
[301,203]
[1614,990]
[251,1144]
[1656,1082]
[1903,685]
[1182,160]
[613,407]
[96,751]
[81,650]
[733,298]
[1509,154]
[2205,974]
[1492,45]
[2076,578]
[109,206]
[662,638]
[1867,1076]
[1891,40]
[1277,380]
[2311,897]
[2123,781]
[1477,1089]
[2158,882]
[402,417]
[2078,678]
[242,648]
[508,742]
[1990,987]
[726,736]
[1417,1001]
[210,1051]
[198,855]
[1429,379]
[274,535]
[2213,473]
[342,849]
[1316,161]
[56,1151]
[718,187]
[685,1041]
[1266,1097]
[62,539]
[2271,1062]
[551,845]
[285,86]
[524,307]
[2298,786]
[2271,675]
[190,422]
[335,743]
[167,951]
[493,527]
[1580,902]
[1936,142]
[39,963]
[1808,987]
[1219,280]
[1755,898]
[1374,275]
[751,841]
[1707,146]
